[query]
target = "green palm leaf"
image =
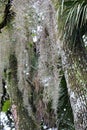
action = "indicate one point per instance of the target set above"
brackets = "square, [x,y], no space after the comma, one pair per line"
[65,115]
[75,22]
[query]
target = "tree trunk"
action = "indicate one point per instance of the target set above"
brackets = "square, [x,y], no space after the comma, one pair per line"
[75,67]
[34,68]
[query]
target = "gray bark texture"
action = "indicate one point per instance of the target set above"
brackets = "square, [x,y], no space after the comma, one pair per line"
[75,66]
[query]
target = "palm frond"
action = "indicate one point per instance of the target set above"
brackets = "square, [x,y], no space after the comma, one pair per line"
[75,14]
[65,115]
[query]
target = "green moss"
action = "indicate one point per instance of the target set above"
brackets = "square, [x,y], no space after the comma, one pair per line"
[6,106]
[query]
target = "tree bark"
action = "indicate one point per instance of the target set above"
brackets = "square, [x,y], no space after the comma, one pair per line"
[75,68]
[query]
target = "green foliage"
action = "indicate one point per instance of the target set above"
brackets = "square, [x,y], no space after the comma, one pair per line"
[30,44]
[33,34]
[6,106]
[65,115]
[74,20]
